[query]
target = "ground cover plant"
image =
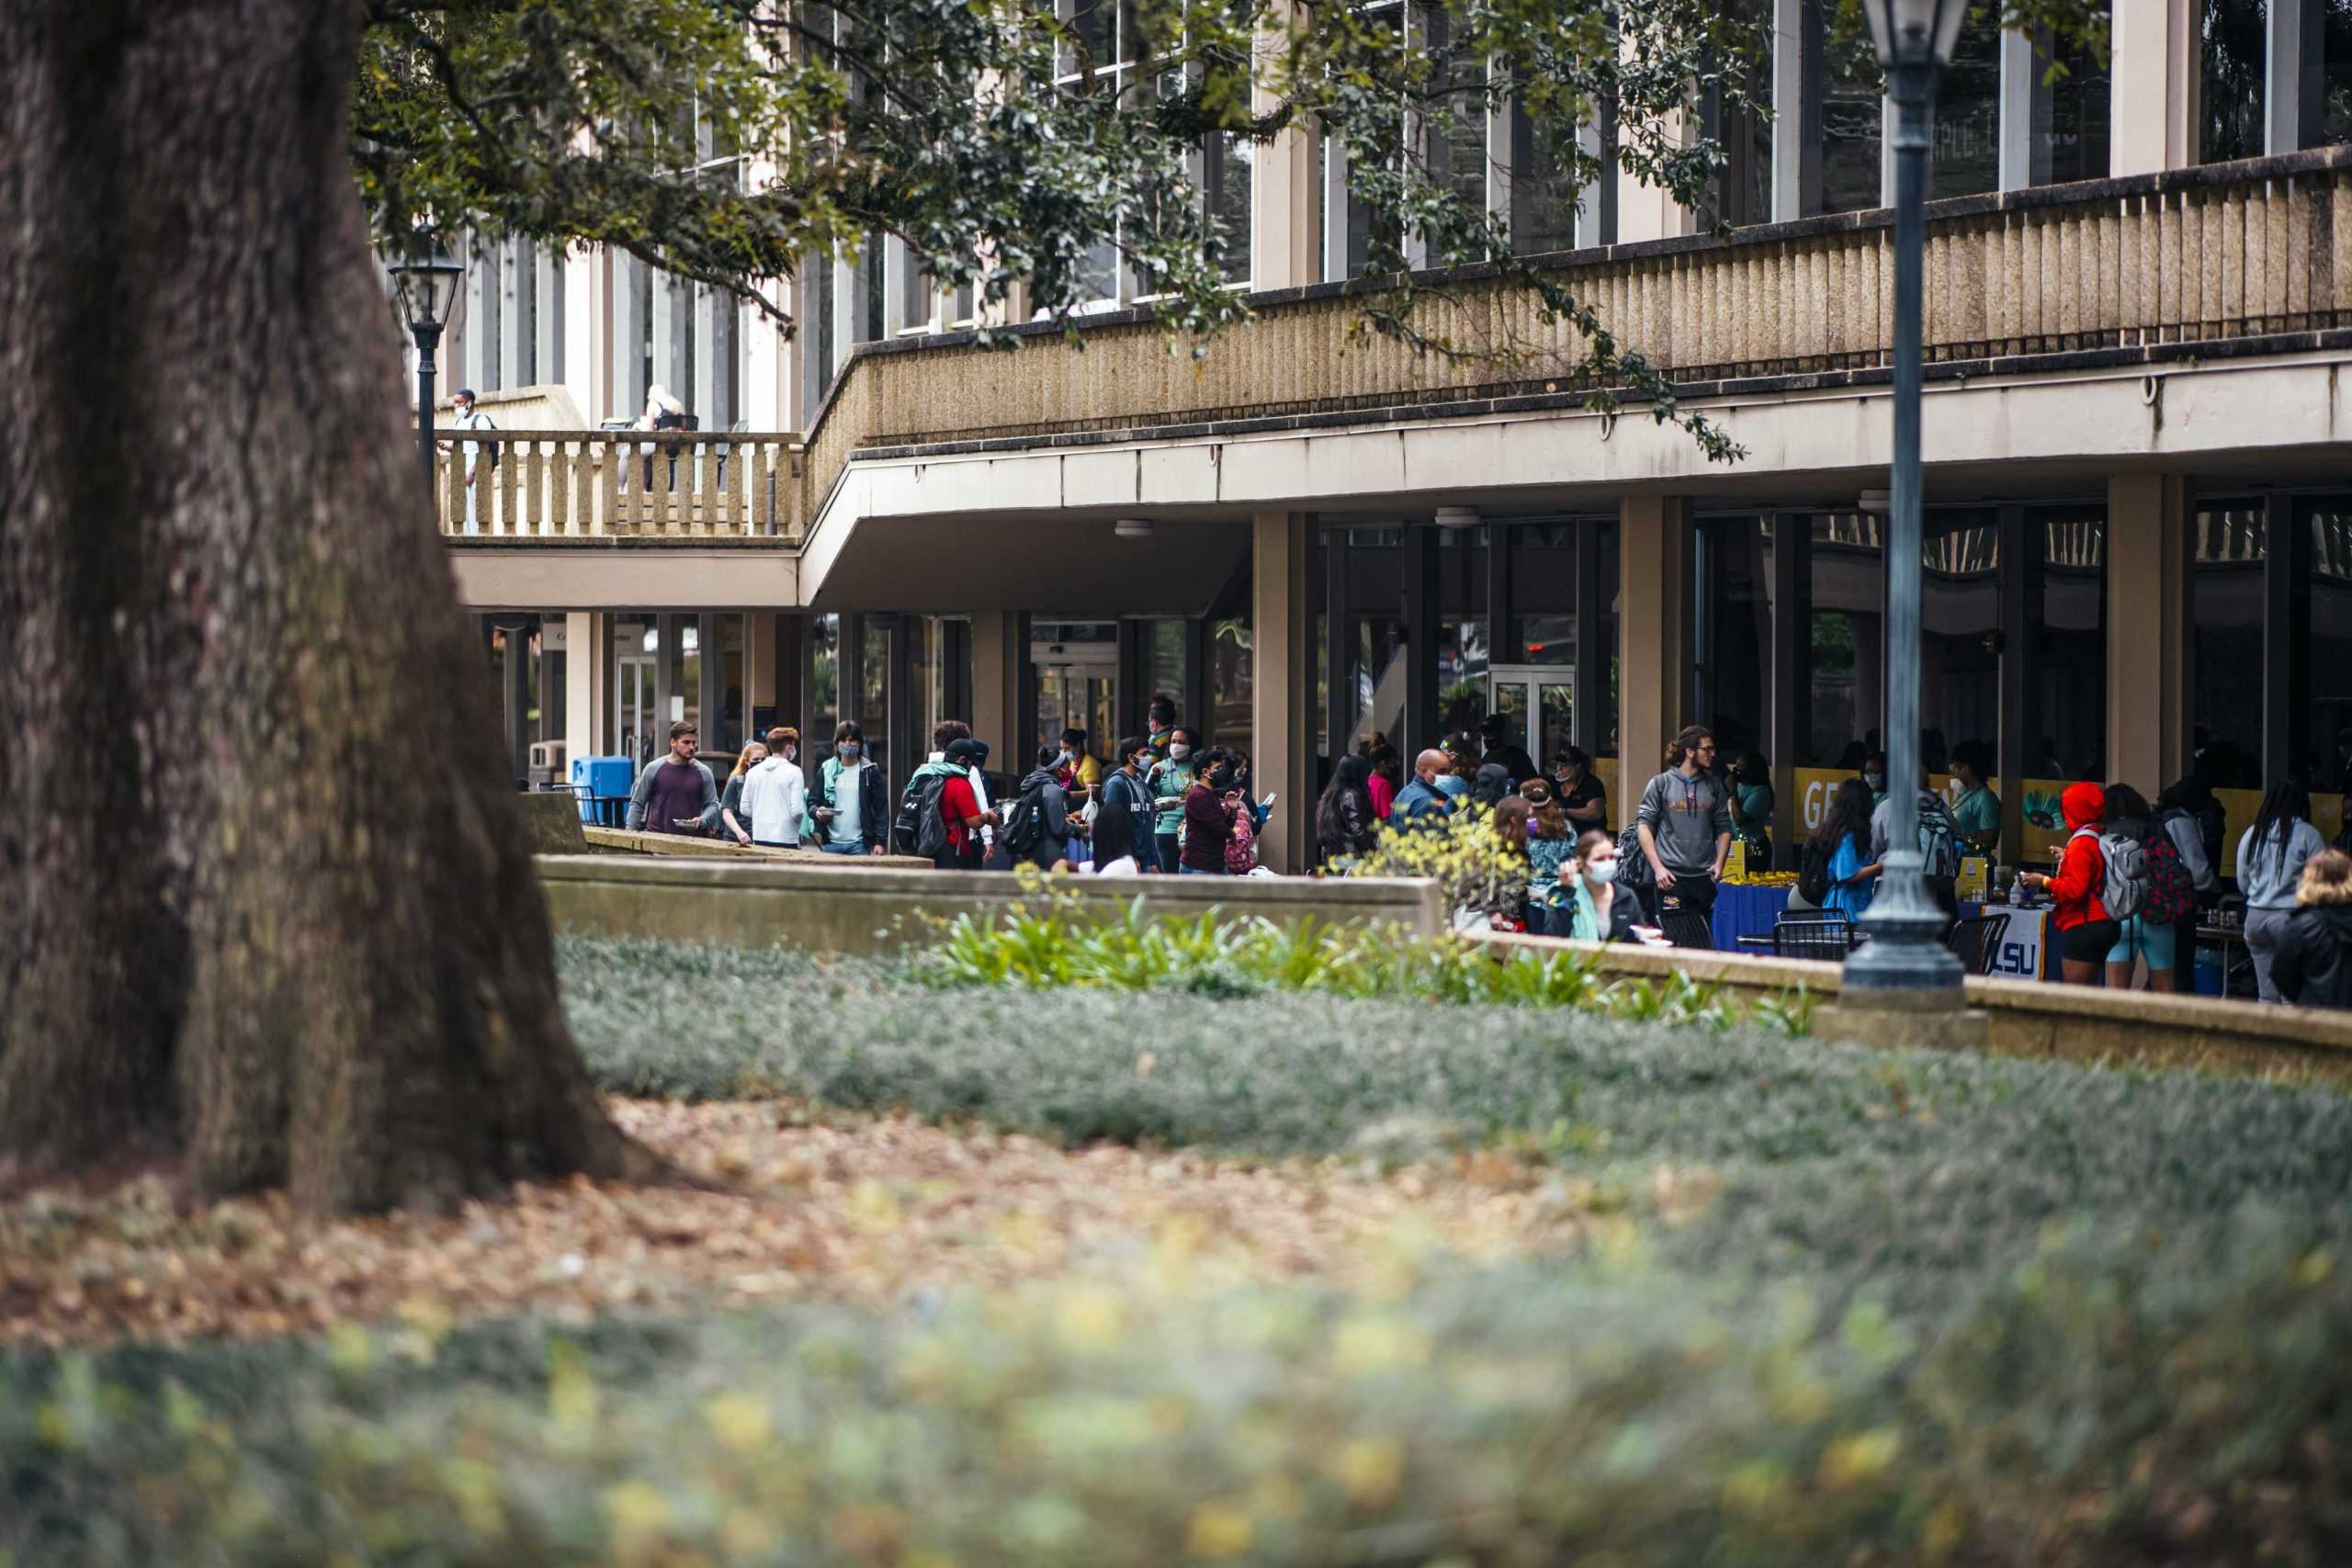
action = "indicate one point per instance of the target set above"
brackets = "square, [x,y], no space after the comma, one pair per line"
[1774,1301]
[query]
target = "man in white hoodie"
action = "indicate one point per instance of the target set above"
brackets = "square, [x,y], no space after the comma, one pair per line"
[776,793]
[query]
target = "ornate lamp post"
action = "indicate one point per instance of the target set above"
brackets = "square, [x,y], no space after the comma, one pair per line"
[1905,953]
[425,285]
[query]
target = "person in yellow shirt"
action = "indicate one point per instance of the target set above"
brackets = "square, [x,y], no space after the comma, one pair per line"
[1088,772]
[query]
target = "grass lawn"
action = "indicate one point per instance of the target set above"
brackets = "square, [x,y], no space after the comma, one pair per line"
[1088,1276]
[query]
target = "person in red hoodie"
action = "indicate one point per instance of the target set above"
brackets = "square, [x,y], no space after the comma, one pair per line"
[2085,932]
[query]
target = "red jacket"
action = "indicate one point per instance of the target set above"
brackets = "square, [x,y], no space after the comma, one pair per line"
[2075,891]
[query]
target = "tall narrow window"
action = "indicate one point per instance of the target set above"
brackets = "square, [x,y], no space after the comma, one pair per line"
[1845,650]
[1967,156]
[2224,655]
[2235,48]
[2071,119]
[1853,88]
[1959,660]
[1734,646]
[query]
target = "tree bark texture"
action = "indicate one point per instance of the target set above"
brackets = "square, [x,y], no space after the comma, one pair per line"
[264,901]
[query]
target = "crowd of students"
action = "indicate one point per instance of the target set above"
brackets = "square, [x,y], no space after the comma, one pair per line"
[1165,806]
[2133,882]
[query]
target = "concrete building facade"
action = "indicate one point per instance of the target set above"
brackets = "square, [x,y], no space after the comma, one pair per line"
[2140,525]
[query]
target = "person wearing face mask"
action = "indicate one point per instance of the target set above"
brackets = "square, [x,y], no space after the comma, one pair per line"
[847,812]
[776,793]
[1209,810]
[1172,781]
[1123,822]
[1874,776]
[1597,911]
[1427,797]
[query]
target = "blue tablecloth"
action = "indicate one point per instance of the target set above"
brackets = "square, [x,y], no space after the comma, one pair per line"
[1747,911]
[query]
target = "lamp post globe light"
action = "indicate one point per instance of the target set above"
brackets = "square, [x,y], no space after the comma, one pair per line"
[425,286]
[1905,957]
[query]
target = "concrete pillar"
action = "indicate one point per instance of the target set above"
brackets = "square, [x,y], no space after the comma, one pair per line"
[1653,621]
[517,272]
[1644,212]
[480,325]
[2019,72]
[2156,72]
[585,363]
[588,684]
[995,668]
[1334,237]
[628,353]
[2147,567]
[2294,83]
[1282,671]
[1796,156]
[516,632]
[1283,241]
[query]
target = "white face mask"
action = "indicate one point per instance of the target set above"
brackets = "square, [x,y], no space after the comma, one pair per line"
[1179,750]
[1598,871]
[1876,780]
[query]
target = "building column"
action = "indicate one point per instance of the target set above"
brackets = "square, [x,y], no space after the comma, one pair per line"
[994,666]
[588,683]
[2147,587]
[585,360]
[1644,211]
[1283,241]
[2294,80]
[1654,618]
[1796,139]
[1281,672]
[516,631]
[2156,72]
[518,273]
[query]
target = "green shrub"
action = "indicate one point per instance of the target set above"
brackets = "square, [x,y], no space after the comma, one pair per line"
[1913,1175]
[2111,1403]
[1052,943]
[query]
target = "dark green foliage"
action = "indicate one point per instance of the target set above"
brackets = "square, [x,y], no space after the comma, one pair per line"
[2110,1403]
[1914,1174]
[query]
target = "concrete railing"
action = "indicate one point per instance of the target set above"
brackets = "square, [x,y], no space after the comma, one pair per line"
[2230,250]
[557,485]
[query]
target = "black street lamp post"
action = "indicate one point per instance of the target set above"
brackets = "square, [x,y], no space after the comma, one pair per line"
[425,285]
[1906,955]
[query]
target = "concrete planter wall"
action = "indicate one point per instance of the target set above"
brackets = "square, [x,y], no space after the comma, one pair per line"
[869,907]
[2031,1018]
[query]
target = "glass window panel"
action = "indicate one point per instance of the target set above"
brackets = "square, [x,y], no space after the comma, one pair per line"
[824,685]
[1611,586]
[2329,657]
[2335,73]
[731,674]
[2066,669]
[1735,632]
[2236,45]
[1845,640]
[1543,191]
[1851,120]
[2071,119]
[874,692]
[1959,672]
[1556,709]
[2224,655]
[1543,594]
[1967,157]
[1236,157]
[1462,630]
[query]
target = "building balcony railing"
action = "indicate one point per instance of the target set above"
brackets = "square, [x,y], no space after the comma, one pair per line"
[2251,256]
[2132,266]
[538,485]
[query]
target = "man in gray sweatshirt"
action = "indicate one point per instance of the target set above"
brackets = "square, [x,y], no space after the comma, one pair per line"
[1684,823]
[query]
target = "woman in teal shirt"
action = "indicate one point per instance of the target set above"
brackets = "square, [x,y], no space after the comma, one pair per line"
[1977,812]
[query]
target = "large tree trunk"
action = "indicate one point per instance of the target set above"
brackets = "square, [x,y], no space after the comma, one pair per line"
[263,899]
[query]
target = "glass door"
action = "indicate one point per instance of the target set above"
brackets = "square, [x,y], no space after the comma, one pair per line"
[633,706]
[1539,701]
[1077,686]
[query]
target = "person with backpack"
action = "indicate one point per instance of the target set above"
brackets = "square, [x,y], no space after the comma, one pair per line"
[1839,873]
[1941,845]
[2087,931]
[1037,828]
[1344,825]
[2313,965]
[1122,821]
[2271,856]
[2148,932]
[961,816]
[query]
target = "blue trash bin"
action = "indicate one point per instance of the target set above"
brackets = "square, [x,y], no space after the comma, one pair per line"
[599,782]
[2210,981]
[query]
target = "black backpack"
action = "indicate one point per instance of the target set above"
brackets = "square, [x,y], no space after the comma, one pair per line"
[1813,876]
[920,828]
[1633,866]
[1024,825]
